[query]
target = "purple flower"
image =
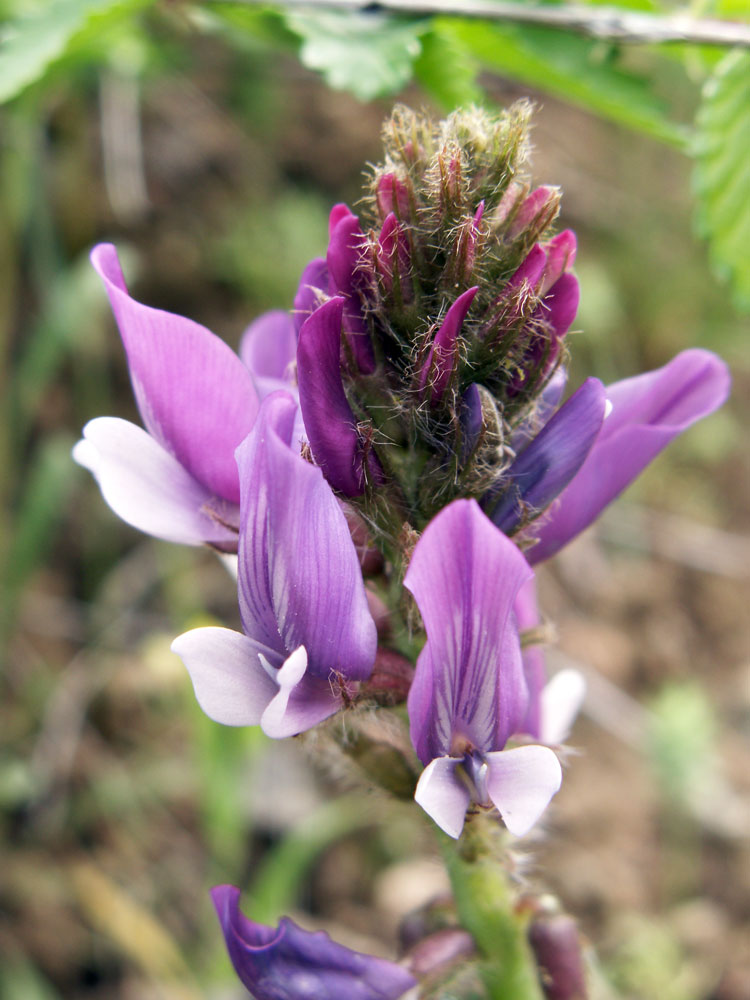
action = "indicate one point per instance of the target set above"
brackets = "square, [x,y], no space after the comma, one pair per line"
[288,963]
[469,693]
[308,634]
[197,401]
[648,411]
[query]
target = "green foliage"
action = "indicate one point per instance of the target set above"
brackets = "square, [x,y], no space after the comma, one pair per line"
[447,70]
[34,40]
[369,55]
[722,172]
[569,67]
[682,741]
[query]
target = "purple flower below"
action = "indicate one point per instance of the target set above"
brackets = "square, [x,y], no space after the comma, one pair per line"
[469,693]
[288,963]
[308,636]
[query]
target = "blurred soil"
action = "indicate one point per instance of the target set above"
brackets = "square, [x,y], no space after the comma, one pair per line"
[122,805]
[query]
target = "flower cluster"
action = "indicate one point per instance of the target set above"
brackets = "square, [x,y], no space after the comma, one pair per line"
[394,447]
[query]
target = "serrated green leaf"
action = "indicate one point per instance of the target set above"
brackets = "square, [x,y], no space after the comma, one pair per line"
[722,172]
[34,41]
[569,67]
[369,55]
[448,71]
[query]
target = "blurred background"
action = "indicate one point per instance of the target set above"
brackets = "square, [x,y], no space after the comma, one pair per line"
[212,164]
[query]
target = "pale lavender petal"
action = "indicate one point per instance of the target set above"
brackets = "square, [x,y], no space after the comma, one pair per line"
[230,682]
[269,347]
[438,368]
[648,411]
[561,701]
[329,421]
[442,795]
[300,582]
[194,394]
[521,783]
[344,258]
[312,284]
[468,689]
[546,466]
[148,488]
[288,963]
[301,701]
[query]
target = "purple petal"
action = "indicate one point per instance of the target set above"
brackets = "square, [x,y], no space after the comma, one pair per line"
[231,685]
[312,283]
[468,688]
[521,783]
[394,257]
[546,466]
[194,394]
[329,421]
[288,963]
[526,610]
[649,410]
[148,488]
[300,582]
[561,701]
[531,268]
[544,407]
[438,368]
[345,258]
[301,701]
[268,348]
[393,196]
[443,796]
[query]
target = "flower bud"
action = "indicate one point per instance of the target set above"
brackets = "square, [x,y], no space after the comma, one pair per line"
[556,944]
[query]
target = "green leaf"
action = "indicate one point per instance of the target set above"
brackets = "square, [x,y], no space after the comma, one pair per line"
[722,172]
[447,70]
[573,68]
[367,54]
[34,41]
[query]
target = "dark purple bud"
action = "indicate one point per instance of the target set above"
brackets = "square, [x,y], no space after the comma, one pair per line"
[392,195]
[347,260]
[390,679]
[531,269]
[438,368]
[313,282]
[557,948]
[546,466]
[288,963]
[470,416]
[329,421]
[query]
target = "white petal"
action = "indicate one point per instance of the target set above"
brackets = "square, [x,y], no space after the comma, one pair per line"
[146,486]
[302,700]
[442,795]
[230,683]
[521,783]
[560,703]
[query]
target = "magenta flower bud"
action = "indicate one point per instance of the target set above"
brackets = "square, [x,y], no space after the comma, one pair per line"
[393,259]
[556,945]
[540,203]
[347,269]
[561,255]
[392,196]
[438,368]
[440,950]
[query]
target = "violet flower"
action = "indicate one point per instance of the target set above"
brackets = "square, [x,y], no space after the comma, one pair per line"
[469,694]
[177,479]
[308,634]
[289,963]
[648,411]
